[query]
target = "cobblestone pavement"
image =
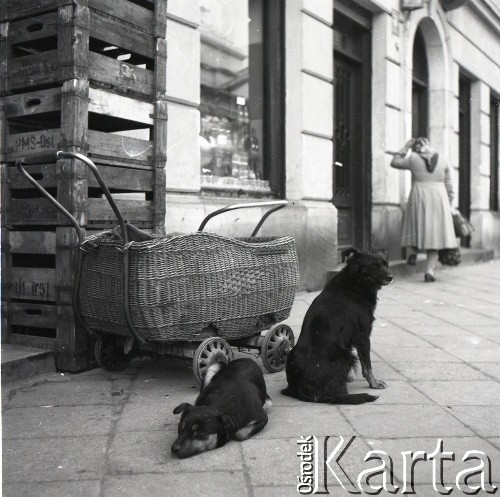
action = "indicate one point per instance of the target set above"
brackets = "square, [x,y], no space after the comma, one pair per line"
[109,434]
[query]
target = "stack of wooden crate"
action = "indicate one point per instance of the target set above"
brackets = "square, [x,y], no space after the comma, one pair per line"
[86,76]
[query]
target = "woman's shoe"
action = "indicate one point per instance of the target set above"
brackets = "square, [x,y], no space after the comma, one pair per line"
[429,278]
[412,260]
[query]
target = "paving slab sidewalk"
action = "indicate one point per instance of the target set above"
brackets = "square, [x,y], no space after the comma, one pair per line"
[109,434]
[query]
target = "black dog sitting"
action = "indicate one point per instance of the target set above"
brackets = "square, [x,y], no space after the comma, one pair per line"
[231,405]
[339,318]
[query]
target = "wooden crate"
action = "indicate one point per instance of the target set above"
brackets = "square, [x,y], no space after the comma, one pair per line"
[131,167]
[37,295]
[114,43]
[37,292]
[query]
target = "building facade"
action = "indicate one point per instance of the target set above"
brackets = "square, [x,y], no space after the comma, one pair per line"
[307,100]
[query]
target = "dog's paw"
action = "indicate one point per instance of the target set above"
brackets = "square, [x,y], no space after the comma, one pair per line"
[378,384]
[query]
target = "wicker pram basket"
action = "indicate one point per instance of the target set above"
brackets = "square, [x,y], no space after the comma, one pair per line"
[187,287]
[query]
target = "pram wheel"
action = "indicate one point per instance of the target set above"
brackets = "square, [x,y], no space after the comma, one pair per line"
[275,347]
[110,354]
[210,351]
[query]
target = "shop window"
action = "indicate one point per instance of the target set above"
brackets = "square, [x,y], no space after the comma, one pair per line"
[420,87]
[234,109]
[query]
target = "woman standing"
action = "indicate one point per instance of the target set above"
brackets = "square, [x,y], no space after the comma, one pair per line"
[428,221]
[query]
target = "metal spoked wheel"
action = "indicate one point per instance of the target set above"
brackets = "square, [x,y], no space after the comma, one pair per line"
[275,347]
[110,354]
[210,351]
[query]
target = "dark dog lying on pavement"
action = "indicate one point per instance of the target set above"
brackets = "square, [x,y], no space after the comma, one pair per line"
[339,318]
[231,405]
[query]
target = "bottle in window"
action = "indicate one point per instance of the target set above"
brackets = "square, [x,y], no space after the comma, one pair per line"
[252,148]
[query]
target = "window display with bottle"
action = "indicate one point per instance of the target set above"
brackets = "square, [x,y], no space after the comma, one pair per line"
[231,109]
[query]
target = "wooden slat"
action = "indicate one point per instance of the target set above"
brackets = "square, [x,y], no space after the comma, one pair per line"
[23,8]
[160,144]
[72,180]
[121,178]
[160,18]
[111,161]
[35,102]
[73,38]
[115,33]
[66,241]
[4,63]
[72,342]
[35,315]
[45,175]
[32,242]
[159,199]
[32,211]
[6,264]
[33,28]
[32,142]
[127,11]
[120,147]
[110,104]
[38,211]
[3,146]
[32,284]
[131,210]
[161,68]
[34,69]
[120,74]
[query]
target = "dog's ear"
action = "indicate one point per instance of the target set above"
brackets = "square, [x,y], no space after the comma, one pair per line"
[350,252]
[384,253]
[227,422]
[181,407]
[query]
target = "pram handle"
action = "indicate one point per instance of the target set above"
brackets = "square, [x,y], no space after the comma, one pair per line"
[40,158]
[276,204]
[50,157]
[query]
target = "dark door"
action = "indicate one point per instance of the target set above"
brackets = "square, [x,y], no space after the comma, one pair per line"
[420,88]
[494,152]
[352,133]
[464,150]
[348,157]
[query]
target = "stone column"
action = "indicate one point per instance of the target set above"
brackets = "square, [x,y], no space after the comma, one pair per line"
[480,160]
[389,122]
[183,95]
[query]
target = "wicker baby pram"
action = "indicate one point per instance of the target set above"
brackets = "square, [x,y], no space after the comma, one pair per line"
[162,294]
[181,285]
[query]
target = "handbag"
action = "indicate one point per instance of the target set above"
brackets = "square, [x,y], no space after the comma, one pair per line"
[461,225]
[449,256]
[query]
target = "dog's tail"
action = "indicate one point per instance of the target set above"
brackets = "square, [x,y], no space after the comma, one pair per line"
[349,398]
[353,398]
[212,370]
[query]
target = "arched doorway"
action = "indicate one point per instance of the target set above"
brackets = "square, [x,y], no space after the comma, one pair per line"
[429,85]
